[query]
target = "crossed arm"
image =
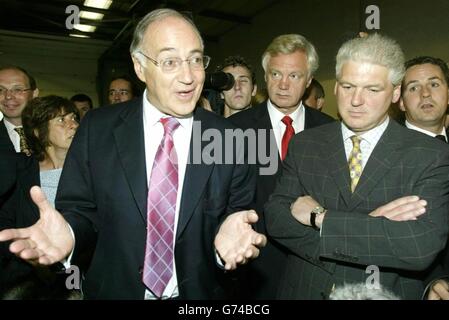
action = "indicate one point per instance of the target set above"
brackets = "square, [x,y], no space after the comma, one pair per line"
[405,233]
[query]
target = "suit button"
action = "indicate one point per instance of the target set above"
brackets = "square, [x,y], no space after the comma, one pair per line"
[140,270]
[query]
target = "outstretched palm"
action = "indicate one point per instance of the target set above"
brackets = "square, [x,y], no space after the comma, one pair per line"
[48,241]
[236,241]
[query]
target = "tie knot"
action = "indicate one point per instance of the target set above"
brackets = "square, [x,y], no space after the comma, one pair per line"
[355,140]
[170,124]
[441,137]
[287,120]
[20,131]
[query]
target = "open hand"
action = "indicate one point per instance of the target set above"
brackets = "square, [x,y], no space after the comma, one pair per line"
[236,241]
[46,242]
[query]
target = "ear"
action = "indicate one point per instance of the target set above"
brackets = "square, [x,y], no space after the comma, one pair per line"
[35,93]
[36,133]
[254,91]
[335,87]
[320,103]
[396,93]
[265,76]
[401,104]
[138,68]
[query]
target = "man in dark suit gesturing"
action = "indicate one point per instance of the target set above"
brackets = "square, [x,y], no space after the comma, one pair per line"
[158,221]
[289,63]
[365,200]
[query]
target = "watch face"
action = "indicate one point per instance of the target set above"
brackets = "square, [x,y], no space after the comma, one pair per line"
[318,210]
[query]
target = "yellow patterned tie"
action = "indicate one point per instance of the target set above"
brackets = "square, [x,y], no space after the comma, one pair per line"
[23,143]
[355,162]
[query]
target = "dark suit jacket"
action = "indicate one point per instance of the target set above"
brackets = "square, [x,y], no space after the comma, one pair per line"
[103,194]
[440,268]
[5,141]
[403,163]
[18,212]
[8,161]
[264,274]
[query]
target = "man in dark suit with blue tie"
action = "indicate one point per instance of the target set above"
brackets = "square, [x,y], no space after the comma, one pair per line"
[365,200]
[289,62]
[137,189]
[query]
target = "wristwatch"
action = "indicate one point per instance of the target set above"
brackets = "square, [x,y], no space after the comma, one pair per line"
[318,210]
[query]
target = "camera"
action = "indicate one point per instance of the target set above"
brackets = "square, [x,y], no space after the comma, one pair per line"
[219,81]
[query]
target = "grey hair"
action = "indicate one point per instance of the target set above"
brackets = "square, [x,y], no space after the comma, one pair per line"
[153,16]
[290,43]
[360,291]
[376,49]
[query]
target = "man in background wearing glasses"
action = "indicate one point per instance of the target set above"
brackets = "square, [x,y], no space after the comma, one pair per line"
[17,87]
[159,225]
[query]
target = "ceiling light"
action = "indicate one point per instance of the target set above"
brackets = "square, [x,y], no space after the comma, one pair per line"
[84,27]
[100,4]
[91,15]
[78,35]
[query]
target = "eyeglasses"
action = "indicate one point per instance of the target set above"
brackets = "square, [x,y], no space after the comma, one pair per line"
[13,91]
[197,62]
[122,92]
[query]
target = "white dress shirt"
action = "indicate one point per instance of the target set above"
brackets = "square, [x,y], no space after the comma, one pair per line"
[13,135]
[368,141]
[154,131]
[298,117]
[433,135]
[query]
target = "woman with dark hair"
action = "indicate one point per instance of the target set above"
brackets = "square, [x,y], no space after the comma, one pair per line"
[49,124]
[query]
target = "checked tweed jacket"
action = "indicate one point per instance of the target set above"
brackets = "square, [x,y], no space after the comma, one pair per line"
[403,163]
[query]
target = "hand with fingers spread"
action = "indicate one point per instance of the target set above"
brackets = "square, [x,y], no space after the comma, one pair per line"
[46,242]
[236,241]
[439,290]
[402,209]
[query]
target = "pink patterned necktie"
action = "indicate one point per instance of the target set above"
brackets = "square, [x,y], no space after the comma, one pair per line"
[162,191]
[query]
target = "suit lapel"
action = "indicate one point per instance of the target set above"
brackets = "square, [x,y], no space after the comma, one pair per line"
[262,121]
[129,139]
[380,162]
[335,150]
[196,176]
[5,141]
[308,119]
